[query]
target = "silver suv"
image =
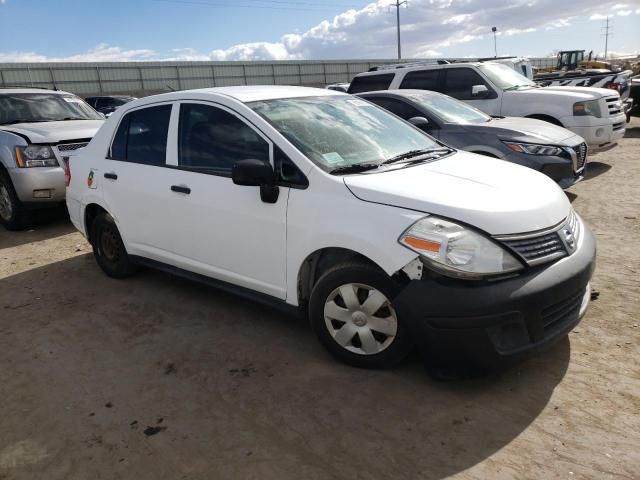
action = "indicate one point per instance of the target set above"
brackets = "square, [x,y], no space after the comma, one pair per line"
[38,130]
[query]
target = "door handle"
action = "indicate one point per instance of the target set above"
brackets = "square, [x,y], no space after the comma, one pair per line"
[111,176]
[180,189]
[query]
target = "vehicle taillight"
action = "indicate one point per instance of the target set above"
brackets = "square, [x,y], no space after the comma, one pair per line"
[67,171]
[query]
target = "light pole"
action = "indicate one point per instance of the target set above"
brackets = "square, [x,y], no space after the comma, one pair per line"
[495,41]
[397,5]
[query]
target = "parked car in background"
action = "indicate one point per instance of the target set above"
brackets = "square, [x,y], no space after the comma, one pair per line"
[555,151]
[596,114]
[338,87]
[38,129]
[323,203]
[108,104]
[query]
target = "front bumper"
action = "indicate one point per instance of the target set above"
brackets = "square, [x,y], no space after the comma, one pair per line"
[39,185]
[602,134]
[487,324]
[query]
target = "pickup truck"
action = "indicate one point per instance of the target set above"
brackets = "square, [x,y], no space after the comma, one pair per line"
[38,130]
[595,114]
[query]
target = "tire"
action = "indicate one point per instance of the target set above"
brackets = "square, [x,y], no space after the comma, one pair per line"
[12,213]
[373,339]
[108,248]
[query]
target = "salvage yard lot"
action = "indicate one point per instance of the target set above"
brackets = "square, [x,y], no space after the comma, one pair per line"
[158,377]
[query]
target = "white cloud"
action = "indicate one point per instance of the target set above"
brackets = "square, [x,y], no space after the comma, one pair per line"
[624,13]
[597,16]
[429,27]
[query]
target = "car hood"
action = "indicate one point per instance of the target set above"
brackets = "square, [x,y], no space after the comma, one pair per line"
[54,132]
[578,93]
[492,195]
[526,130]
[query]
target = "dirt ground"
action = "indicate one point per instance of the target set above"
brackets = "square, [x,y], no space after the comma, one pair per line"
[156,377]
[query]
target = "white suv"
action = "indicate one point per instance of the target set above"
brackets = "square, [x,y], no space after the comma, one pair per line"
[321,202]
[595,114]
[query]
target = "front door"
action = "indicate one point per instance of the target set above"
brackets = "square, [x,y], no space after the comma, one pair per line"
[232,234]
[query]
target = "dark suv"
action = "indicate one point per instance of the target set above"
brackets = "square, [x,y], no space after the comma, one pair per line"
[108,105]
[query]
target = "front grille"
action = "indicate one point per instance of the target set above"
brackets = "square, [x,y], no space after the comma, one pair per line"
[558,314]
[540,247]
[618,126]
[614,105]
[68,147]
[545,246]
[581,156]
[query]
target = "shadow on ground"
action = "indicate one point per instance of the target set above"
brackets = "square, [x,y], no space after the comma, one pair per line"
[632,132]
[595,169]
[47,225]
[230,388]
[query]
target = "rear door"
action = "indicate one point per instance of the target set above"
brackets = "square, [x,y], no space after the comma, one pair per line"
[230,233]
[137,185]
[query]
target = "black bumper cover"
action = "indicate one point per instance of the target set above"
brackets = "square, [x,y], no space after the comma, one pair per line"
[492,323]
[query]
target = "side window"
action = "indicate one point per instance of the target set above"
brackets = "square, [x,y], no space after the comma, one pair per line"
[422,80]
[397,107]
[142,136]
[213,139]
[458,82]
[370,83]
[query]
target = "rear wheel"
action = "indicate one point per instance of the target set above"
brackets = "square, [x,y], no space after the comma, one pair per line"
[12,212]
[108,248]
[352,314]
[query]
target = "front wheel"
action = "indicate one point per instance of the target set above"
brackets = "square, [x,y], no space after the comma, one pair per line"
[12,213]
[352,314]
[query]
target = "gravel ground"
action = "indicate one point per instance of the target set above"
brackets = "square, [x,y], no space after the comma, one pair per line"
[156,377]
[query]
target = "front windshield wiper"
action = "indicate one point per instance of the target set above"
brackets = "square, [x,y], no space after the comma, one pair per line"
[69,118]
[23,120]
[415,153]
[355,168]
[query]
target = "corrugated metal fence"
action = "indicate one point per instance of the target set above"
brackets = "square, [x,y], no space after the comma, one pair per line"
[144,78]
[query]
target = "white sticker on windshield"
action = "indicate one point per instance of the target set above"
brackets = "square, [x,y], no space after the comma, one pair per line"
[72,99]
[358,102]
[333,158]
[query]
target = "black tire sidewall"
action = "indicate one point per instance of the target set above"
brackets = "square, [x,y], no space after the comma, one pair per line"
[371,276]
[124,267]
[18,219]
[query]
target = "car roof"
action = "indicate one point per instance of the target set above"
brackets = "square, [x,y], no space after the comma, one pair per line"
[31,90]
[413,67]
[400,92]
[255,93]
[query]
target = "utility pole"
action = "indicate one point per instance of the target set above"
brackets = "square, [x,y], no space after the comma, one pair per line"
[606,38]
[397,6]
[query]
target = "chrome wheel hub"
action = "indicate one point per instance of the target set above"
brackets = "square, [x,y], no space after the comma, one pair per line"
[360,319]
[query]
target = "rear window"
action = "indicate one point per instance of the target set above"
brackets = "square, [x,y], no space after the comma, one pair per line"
[422,80]
[370,83]
[142,136]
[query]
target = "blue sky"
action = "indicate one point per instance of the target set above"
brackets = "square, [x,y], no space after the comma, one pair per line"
[37,30]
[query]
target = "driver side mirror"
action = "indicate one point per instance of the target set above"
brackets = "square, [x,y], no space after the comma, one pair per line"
[420,122]
[479,91]
[256,173]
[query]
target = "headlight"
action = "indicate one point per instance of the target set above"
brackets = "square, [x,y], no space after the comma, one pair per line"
[35,156]
[457,250]
[591,107]
[534,148]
